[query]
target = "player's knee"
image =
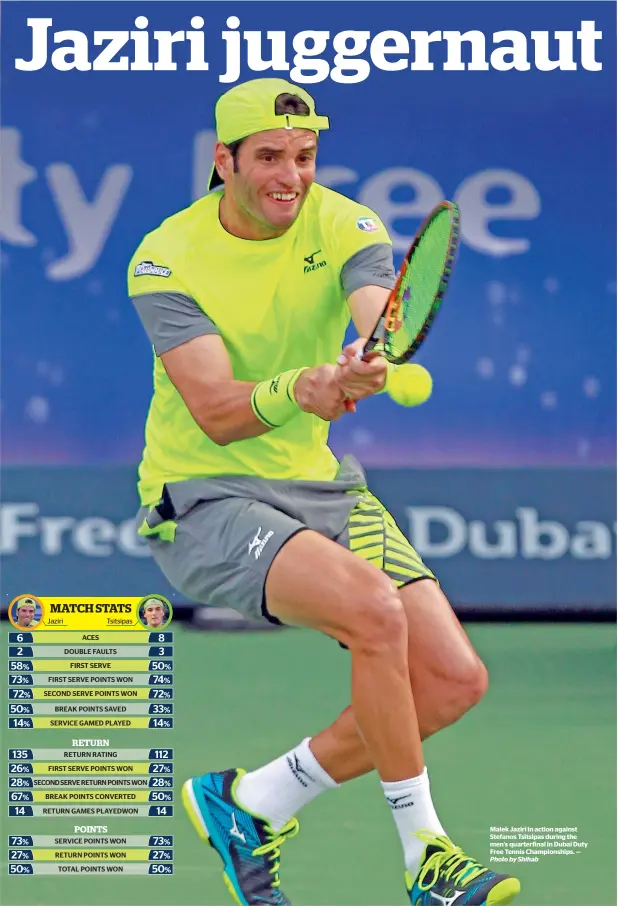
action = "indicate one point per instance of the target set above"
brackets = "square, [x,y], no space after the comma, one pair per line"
[459,695]
[466,690]
[379,620]
[473,684]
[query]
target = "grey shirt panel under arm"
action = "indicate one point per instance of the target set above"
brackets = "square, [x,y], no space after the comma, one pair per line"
[371,266]
[171,319]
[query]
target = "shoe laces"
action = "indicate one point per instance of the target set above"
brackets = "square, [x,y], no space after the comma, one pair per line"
[272,846]
[449,862]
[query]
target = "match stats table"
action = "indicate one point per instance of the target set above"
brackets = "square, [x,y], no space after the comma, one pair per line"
[90,710]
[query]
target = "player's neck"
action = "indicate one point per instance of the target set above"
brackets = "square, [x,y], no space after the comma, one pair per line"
[239,224]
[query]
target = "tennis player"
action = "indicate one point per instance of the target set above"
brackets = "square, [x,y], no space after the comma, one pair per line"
[26,610]
[246,296]
[153,614]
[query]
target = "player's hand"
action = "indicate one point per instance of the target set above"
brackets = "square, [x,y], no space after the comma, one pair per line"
[317,390]
[360,378]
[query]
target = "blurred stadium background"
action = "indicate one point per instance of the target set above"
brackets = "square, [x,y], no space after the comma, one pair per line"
[505,481]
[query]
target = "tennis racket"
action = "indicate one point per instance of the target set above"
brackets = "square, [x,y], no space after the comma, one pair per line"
[416,298]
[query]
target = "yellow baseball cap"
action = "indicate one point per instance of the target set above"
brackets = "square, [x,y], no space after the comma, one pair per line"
[250,107]
[26,602]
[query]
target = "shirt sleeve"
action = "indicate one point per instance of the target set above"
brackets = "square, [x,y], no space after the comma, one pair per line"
[165,305]
[358,228]
[152,272]
[171,319]
[371,266]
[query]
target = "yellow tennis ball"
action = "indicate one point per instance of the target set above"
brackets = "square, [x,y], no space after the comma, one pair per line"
[409,385]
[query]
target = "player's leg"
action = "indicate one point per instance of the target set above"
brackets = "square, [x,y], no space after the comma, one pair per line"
[314,582]
[446,674]
[317,584]
[447,678]
[209,561]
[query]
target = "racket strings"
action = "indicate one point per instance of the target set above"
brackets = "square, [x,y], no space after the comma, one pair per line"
[420,286]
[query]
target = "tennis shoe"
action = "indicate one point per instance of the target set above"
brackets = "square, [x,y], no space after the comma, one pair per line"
[247,844]
[448,877]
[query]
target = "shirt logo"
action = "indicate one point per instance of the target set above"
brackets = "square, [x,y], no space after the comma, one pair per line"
[258,544]
[312,264]
[147,268]
[367,224]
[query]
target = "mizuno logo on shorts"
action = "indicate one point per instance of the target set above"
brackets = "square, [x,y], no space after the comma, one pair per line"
[147,268]
[257,544]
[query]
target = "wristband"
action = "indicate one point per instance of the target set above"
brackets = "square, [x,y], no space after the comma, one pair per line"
[273,401]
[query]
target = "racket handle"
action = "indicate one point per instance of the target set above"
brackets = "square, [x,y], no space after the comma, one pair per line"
[360,355]
[366,354]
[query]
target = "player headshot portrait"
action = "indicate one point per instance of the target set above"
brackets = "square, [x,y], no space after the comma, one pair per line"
[154,613]
[26,613]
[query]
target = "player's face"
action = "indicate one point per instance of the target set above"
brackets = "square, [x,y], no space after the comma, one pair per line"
[154,614]
[25,615]
[274,172]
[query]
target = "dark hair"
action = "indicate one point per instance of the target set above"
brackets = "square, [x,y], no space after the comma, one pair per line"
[291,103]
[234,148]
[284,103]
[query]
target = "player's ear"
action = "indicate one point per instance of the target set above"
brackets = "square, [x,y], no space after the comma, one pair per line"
[224,162]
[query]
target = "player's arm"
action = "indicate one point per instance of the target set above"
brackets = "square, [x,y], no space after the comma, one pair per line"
[196,361]
[191,349]
[201,371]
[366,304]
[198,364]
[367,278]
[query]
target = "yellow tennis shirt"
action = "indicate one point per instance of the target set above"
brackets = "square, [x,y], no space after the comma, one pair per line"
[278,304]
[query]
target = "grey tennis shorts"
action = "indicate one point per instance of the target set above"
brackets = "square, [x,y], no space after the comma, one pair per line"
[214,539]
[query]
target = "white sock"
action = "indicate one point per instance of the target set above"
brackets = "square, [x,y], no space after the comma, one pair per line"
[279,789]
[413,810]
